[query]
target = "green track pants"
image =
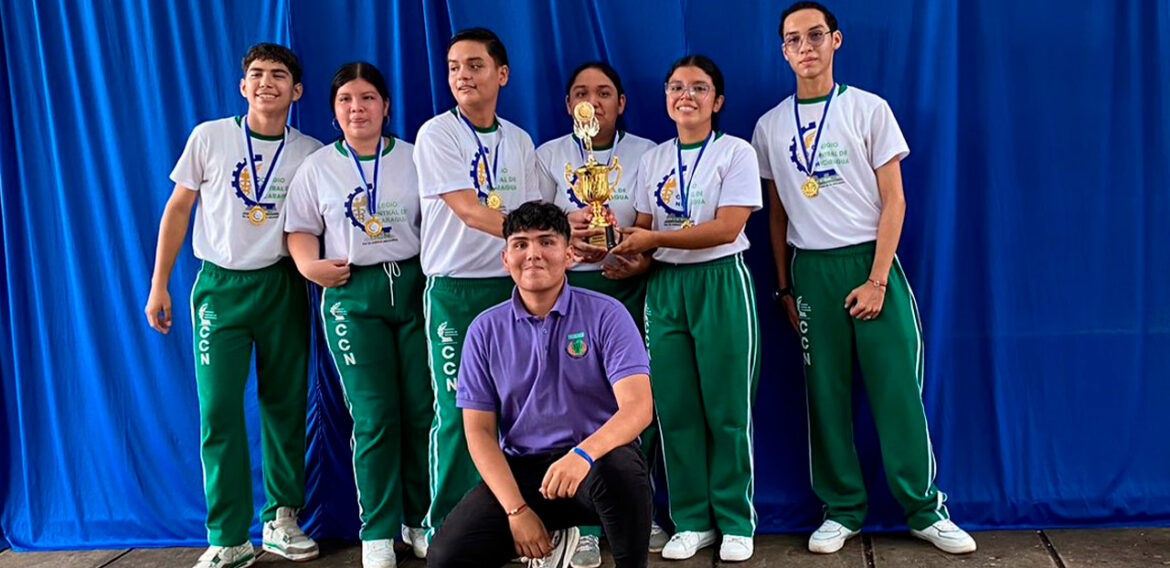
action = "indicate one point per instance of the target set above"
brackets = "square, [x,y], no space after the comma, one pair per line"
[376,333]
[889,350]
[450,305]
[234,312]
[703,338]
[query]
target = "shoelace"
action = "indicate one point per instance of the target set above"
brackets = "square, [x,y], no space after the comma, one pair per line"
[589,543]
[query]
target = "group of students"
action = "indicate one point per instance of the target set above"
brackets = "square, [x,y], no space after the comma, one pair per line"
[556,370]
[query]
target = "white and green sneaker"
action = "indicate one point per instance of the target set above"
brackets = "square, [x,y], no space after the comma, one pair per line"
[227,557]
[284,538]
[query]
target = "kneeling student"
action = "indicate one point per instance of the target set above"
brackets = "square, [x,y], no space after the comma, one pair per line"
[564,375]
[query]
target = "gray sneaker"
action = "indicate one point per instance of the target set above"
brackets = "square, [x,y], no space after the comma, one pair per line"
[588,553]
[658,537]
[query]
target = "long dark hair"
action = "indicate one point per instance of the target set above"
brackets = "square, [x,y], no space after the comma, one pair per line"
[711,69]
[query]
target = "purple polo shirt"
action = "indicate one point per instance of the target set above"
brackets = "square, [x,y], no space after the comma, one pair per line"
[549,380]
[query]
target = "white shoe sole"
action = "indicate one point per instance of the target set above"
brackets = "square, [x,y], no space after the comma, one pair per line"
[294,556]
[947,547]
[688,554]
[824,547]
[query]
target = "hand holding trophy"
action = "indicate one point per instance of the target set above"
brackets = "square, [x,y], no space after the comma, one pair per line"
[591,182]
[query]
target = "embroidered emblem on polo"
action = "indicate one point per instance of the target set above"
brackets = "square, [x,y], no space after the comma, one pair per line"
[577,348]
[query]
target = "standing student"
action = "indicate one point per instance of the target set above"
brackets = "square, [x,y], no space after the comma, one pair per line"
[694,196]
[830,158]
[361,194]
[473,167]
[247,296]
[621,277]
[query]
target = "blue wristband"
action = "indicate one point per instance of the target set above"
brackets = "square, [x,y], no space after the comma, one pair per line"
[583,454]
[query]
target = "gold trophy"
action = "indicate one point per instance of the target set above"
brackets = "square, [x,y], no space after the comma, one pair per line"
[592,184]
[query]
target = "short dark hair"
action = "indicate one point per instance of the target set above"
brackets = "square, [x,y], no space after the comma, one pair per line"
[539,216]
[602,66]
[488,38]
[277,53]
[830,19]
[707,66]
[358,70]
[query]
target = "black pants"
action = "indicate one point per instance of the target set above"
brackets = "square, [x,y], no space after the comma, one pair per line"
[615,494]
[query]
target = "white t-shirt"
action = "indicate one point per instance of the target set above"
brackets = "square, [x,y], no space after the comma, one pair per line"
[448,159]
[861,135]
[554,154]
[232,228]
[327,197]
[727,175]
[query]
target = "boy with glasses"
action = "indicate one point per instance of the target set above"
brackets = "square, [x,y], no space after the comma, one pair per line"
[830,158]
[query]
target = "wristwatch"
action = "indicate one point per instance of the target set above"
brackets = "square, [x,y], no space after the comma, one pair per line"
[781,292]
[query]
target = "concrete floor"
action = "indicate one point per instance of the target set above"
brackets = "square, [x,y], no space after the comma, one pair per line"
[998,549]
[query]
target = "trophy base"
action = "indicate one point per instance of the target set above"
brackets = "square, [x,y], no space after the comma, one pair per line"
[608,240]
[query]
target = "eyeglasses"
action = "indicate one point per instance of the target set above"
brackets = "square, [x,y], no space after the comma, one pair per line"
[815,39]
[697,91]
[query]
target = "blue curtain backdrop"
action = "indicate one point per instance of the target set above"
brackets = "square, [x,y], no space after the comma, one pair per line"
[1036,236]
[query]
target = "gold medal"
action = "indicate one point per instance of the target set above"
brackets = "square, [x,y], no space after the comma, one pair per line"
[257,215]
[810,188]
[494,200]
[373,227]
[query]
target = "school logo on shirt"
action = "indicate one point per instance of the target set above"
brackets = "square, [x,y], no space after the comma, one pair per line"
[245,187]
[377,226]
[577,347]
[829,154]
[670,199]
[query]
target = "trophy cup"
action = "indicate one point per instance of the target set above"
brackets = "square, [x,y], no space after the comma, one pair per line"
[590,182]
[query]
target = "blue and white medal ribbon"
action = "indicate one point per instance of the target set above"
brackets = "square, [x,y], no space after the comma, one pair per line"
[491,198]
[258,213]
[373,226]
[810,188]
[684,184]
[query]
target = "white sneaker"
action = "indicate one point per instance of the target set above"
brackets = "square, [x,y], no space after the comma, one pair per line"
[378,554]
[284,538]
[736,548]
[588,553]
[564,543]
[658,537]
[227,557]
[417,539]
[947,537]
[685,544]
[830,537]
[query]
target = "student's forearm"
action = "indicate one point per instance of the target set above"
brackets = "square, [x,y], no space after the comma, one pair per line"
[888,235]
[485,451]
[778,234]
[172,229]
[622,428]
[486,219]
[704,235]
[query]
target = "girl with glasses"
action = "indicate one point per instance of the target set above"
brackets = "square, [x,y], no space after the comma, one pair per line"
[693,197]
